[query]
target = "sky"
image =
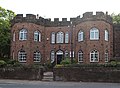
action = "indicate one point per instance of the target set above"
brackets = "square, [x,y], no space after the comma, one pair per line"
[60,8]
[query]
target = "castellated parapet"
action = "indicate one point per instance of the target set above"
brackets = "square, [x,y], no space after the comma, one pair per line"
[88,16]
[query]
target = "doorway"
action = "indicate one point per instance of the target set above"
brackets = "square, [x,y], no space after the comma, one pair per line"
[59,55]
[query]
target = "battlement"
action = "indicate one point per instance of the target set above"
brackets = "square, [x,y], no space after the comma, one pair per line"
[88,16]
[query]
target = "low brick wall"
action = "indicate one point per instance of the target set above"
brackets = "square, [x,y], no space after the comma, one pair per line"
[21,73]
[87,74]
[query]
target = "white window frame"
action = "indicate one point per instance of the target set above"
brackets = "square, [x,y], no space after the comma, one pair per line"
[37,56]
[52,56]
[106,56]
[94,34]
[80,56]
[23,34]
[94,56]
[37,36]
[66,54]
[60,37]
[106,35]
[66,37]
[53,37]
[80,36]
[73,54]
[22,56]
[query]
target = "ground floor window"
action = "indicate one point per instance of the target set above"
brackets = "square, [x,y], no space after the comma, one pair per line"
[94,56]
[37,56]
[22,56]
[52,56]
[106,56]
[80,56]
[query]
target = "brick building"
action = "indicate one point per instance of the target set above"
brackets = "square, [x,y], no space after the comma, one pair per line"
[88,39]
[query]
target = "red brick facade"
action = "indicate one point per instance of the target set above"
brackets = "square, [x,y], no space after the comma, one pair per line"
[100,21]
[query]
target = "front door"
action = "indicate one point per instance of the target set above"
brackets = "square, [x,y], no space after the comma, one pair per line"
[59,55]
[59,59]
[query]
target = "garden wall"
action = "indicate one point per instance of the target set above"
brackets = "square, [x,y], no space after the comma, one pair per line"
[21,73]
[87,74]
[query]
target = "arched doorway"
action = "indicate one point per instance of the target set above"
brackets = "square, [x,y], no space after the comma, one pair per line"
[59,55]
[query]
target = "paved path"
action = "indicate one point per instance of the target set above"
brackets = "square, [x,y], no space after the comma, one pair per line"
[39,84]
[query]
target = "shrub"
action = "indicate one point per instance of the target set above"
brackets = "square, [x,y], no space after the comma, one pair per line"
[2,63]
[65,61]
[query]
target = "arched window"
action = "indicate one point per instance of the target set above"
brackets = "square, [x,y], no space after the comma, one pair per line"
[52,56]
[94,34]
[80,36]
[37,56]
[53,37]
[22,56]
[106,56]
[106,35]
[60,37]
[80,56]
[66,54]
[94,56]
[66,37]
[23,34]
[37,36]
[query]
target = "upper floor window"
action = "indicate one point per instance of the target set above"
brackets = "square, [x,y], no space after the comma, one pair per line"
[37,36]
[60,37]
[37,56]
[53,37]
[106,35]
[80,56]
[66,37]
[23,34]
[94,34]
[106,56]
[80,36]
[52,56]
[94,56]
[22,56]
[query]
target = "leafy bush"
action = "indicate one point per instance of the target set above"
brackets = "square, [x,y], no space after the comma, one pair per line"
[65,61]
[2,63]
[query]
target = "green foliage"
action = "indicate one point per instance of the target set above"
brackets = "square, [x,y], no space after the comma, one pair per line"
[5,18]
[2,63]
[65,61]
[116,18]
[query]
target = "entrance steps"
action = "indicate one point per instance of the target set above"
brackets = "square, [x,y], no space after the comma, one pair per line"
[48,76]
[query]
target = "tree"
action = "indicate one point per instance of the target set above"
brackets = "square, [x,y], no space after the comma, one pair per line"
[116,18]
[5,17]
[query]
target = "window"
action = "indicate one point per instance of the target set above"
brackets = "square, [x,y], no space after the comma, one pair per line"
[106,56]
[66,37]
[60,37]
[94,56]
[94,34]
[53,37]
[23,34]
[71,54]
[37,56]
[80,56]
[22,56]
[80,36]
[14,36]
[52,56]
[106,35]
[66,54]
[13,55]
[37,36]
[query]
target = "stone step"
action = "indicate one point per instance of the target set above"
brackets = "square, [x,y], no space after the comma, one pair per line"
[47,76]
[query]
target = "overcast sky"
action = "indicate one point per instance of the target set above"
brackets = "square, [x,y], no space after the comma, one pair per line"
[60,8]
